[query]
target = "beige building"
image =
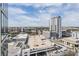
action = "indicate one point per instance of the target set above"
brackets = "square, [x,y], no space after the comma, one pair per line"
[70,42]
[73,41]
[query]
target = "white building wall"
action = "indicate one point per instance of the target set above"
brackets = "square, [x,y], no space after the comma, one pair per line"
[55,25]
[46,34]
[75,34]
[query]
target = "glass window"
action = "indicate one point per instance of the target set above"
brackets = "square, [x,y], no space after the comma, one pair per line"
[76,45]
[4,25]
[68,43]
[0,5]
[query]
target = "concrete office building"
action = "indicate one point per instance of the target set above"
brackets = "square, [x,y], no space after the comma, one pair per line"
[3,29]
[55,27]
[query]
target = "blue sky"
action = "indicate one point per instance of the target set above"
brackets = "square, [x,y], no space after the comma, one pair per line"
[31,14]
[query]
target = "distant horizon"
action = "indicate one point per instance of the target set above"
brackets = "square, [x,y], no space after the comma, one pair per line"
[46,26]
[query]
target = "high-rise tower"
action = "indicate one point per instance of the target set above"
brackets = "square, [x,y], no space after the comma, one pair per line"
[55,27]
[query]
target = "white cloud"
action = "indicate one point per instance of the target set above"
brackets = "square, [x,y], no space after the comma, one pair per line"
[16,18]
[71,18]
[45,5]
[23,20]
[41,5]
[12,10]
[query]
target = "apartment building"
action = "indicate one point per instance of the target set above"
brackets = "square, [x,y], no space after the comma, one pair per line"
[55,27]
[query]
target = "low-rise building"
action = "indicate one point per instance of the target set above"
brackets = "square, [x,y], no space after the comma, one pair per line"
[18,43]
[70,42]
[21,37]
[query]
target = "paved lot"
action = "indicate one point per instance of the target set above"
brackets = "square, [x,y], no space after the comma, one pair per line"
[38,41]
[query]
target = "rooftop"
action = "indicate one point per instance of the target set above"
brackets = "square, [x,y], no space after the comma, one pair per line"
[21,36]
[71,39]
[39,41]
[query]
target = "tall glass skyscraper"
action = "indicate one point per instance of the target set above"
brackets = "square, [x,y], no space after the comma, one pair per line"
[3,29]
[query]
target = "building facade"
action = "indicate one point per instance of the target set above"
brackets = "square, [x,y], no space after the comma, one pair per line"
[75,34]
[3,29]
[55,27]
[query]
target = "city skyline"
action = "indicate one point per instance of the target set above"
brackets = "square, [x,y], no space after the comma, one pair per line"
[30,14]
[39,29]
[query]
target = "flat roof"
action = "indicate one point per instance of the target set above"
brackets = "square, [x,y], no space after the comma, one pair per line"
[20,36]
